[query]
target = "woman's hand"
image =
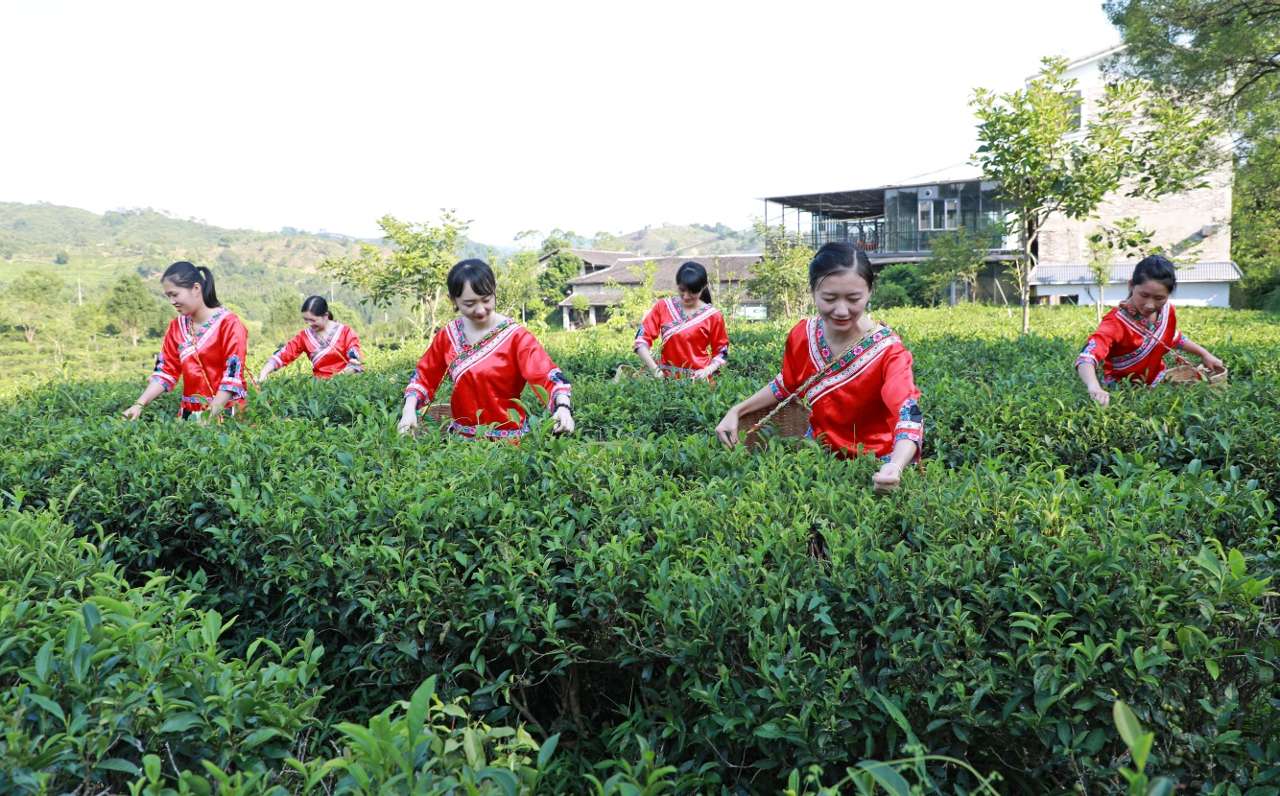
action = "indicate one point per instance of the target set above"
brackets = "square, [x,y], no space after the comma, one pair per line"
[1212,363]
[133,412]
[1100,395]
[727,431]
[887,478]
[704,373]
[564,421]
[266,371]
[408,421]
[657,373]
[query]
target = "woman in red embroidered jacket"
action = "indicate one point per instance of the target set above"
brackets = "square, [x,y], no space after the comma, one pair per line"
[332,347]
[694,341]
[1133,338]
[490,358]
[204,347]
[855,373]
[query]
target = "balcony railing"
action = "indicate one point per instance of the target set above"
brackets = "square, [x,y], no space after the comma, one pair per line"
[872,237]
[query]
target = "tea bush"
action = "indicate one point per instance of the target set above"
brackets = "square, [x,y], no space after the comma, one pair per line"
[717,619]
[97,673]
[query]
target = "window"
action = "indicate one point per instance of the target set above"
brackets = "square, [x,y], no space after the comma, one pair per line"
[936,214]
[1077,111]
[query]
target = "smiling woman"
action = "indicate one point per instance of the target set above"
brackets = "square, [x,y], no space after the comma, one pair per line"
[204,347]
[332,347]
[490,358]
[854,372]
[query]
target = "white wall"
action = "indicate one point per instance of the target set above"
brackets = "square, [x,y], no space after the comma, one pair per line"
[1188,294]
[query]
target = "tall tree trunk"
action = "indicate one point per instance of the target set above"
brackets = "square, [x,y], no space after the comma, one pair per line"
[1031,230]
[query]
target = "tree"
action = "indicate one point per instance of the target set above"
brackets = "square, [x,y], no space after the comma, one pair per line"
[635,301]
[1109,243]
[559,265]
[911,279]
[957,256]
[781,278]
[1223,57]
[414,269]
[33,301]
[132,308]
[518,284]
[1137,140]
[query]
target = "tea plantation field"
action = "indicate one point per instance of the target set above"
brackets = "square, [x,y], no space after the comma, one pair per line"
[302,601]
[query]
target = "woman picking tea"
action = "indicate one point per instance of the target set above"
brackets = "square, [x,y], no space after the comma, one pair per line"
[854,372]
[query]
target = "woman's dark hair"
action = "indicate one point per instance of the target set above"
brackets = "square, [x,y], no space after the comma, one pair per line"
[477,272]
[693,277]
[835,257]
[184,274]
[316,305]
[1157,268]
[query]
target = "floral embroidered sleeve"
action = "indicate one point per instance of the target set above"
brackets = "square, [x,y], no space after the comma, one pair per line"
[537,368]
[719,340]
[352,351]
[650,327]
[236,344]
[1099,344]
[166,371]
[795,364]
[899,392]
[289,351]
[431,369]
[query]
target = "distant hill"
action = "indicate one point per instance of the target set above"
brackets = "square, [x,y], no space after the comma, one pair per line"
[88,251]
[43,231]
[672,239]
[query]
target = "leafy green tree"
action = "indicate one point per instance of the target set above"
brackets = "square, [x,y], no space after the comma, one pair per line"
[132,308]
[414,268]
[635,301]
[518,290]
[559,265]
[1138,140]
[33,301]
[1123,239]
[916,288]
[957,256]
[781,278]
[890,294]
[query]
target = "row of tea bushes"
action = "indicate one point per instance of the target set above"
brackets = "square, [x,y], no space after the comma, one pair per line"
[109,687]
[665,589]
[95,672]
[104,684]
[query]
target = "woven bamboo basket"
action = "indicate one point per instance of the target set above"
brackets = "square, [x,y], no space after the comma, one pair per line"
[439,413]
[792,421]
[1194,374]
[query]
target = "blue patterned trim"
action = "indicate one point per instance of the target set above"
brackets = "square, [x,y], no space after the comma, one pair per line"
[778,388]
[1086,354]
[471,432]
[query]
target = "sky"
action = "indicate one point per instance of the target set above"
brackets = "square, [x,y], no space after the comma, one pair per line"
[584,116]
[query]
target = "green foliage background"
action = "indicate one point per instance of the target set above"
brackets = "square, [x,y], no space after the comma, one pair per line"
[638,598]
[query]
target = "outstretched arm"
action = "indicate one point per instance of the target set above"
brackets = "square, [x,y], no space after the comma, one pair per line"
[764,398]
[1209,360]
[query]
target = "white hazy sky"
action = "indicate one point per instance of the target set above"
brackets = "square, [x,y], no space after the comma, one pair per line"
[587,116]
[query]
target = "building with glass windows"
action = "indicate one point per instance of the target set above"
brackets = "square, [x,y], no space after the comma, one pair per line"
[898,223]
